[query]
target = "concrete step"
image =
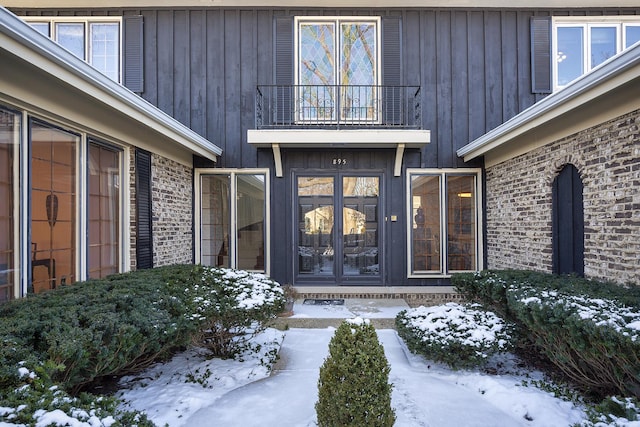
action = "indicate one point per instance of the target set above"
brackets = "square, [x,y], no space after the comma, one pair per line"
[331,312]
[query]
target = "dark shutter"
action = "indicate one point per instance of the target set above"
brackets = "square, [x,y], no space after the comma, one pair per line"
[283,69]
[541,54]
[568,222]
[144,223]
[133,53]
[391,70]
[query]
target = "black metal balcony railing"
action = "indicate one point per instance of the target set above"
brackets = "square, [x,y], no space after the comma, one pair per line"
[336,106]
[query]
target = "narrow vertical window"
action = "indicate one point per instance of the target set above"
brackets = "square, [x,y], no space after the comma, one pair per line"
[53,206]
[461,223]
[570,54]
[71,36]
[604,44]
[250,221]
[105,48]
[215,224]
[9,144]
[104,211]
[425,223]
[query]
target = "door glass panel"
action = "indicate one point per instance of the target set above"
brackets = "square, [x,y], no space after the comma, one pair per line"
[250,221]
[104,211]
[53,206]
[604,44]
[315,226]
[570,54]
[425,233]
[9,138]
[360,226]
[215,220]
[461,223]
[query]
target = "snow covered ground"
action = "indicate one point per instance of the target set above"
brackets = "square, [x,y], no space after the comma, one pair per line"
[193,391]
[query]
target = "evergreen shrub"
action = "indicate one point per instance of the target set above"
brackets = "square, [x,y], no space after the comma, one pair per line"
[55,343]
[462,336]
[354,387]
[589,330]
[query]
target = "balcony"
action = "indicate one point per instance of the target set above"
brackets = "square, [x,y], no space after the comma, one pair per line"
[338,107]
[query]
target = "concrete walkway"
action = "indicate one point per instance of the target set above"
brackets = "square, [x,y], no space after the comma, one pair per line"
[288,396]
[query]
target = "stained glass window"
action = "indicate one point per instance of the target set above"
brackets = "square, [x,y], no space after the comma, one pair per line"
[337,70]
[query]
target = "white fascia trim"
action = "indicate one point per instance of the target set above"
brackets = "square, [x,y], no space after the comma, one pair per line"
[97,85]
[325,3]
[586,88]
[314,138]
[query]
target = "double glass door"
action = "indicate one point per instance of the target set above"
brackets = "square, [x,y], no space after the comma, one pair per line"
[338,228]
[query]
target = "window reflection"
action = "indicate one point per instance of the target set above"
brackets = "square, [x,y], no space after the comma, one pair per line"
[603,44]
[71,37]
[53,206]
[570,54]
[9,144]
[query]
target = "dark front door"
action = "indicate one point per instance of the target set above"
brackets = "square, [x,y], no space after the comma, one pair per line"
[338,227]
[568,223]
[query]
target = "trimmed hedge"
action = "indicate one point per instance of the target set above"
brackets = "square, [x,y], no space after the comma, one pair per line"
[354,389]
[590,330]
[62,340]
[462,336]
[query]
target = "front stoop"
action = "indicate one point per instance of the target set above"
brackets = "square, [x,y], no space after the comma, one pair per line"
[378,304]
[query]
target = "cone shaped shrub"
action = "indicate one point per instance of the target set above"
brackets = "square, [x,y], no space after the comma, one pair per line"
[354,387]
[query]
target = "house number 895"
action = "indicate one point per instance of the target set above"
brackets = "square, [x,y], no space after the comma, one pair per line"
[339,161]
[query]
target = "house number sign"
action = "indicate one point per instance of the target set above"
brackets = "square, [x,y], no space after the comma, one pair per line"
[339,161]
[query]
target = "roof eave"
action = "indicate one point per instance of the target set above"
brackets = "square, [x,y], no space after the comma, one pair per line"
[109,92]
[585,88]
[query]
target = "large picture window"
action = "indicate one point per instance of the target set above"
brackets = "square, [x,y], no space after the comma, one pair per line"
[444,222]
[337,69]
[232,210]
[70,226]
[94,40]
[581,44]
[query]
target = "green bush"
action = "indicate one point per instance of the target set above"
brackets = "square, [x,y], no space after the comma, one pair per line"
[232,306]
[60,341]
[462,336]
[589,330]
[354,389]
[593,341]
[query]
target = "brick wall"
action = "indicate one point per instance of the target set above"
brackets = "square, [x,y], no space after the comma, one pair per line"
[172,188]
[519,202]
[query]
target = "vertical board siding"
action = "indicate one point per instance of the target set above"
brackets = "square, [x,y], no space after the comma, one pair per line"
[202,66]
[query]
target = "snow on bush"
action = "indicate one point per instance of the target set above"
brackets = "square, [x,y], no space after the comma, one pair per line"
[462,336]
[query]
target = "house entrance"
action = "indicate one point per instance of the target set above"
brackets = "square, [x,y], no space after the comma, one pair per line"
[338,228]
